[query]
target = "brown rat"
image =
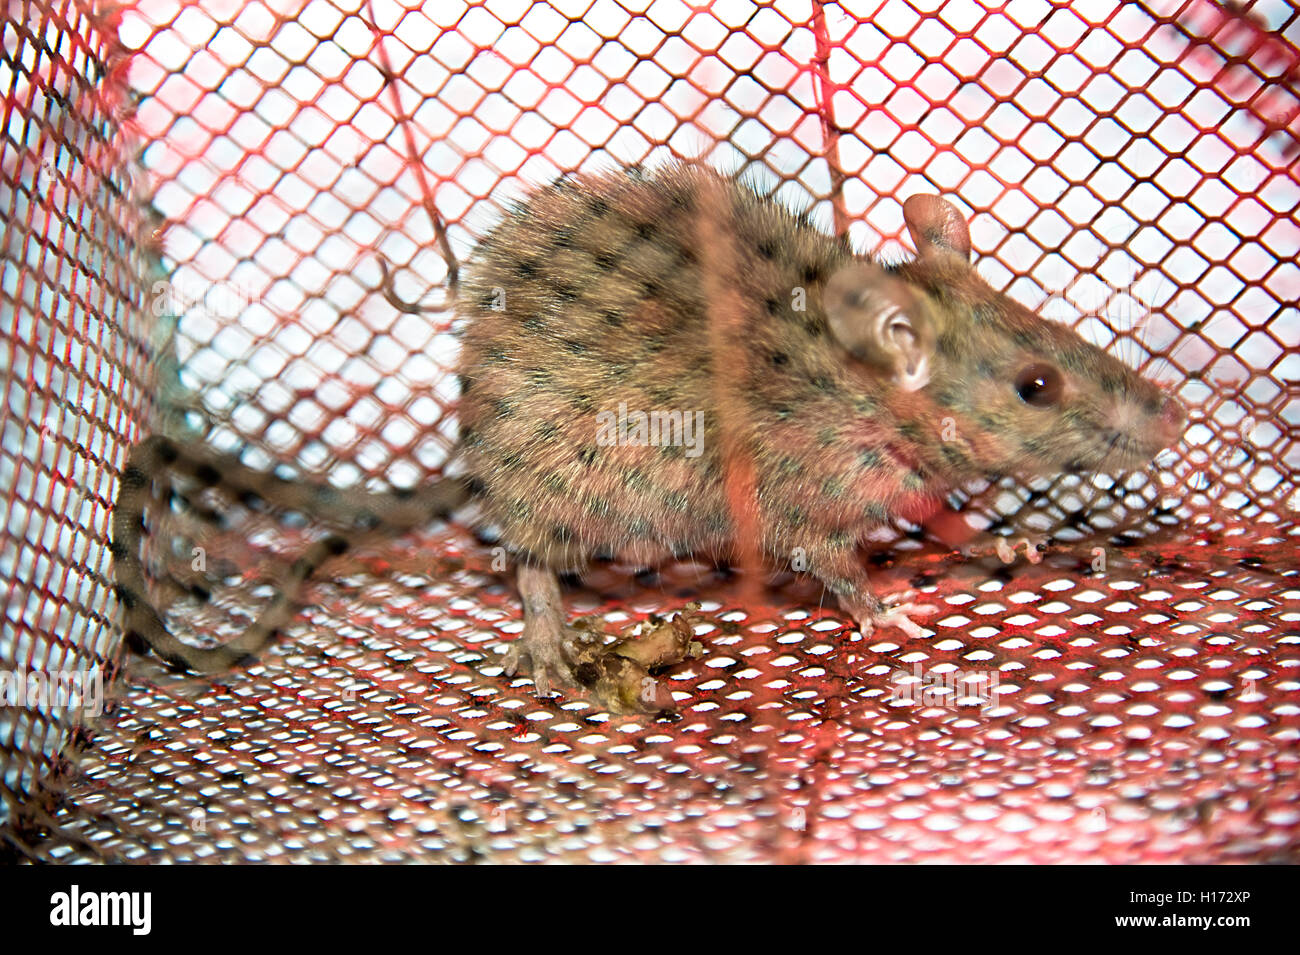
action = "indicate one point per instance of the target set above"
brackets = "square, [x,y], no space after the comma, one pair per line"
[666,363]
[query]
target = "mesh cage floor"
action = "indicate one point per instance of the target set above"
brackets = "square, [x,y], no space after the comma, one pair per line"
[204,205]
[1148,715]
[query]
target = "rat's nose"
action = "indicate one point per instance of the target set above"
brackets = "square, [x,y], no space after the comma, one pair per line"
[1171,422]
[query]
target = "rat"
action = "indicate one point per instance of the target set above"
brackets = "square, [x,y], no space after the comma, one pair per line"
[663,363]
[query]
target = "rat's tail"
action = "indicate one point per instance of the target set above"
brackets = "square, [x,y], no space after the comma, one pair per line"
[356,511]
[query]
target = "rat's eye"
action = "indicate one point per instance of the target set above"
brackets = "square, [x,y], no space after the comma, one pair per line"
[1039,385]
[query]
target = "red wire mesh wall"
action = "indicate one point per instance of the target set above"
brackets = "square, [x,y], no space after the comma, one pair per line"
[72,280]
[1129,169]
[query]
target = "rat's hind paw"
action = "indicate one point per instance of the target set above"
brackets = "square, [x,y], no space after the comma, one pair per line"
[546,641]
[544,649]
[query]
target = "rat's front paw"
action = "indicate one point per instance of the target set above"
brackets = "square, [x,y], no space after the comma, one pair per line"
[898,614]
[901,615]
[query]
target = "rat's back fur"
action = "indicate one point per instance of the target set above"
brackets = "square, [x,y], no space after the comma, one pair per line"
[666,364]
[595,296]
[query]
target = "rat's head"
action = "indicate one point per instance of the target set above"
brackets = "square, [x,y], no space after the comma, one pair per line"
[1008,391]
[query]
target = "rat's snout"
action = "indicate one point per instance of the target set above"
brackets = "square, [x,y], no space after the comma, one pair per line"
[1171,422]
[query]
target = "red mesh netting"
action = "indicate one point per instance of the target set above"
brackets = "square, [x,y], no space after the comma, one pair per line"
[1129,169]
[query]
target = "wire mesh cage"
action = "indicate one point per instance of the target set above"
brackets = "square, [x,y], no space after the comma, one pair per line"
[203,203]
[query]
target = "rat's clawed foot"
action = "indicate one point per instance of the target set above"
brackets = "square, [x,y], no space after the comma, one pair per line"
[901,615]
[898,614]
[545,635]
[618,675]
[544,649]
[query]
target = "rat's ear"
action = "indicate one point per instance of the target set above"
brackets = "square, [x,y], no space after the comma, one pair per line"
[880,321]
[937,227]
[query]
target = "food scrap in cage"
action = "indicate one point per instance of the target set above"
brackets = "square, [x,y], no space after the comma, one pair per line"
[656,363]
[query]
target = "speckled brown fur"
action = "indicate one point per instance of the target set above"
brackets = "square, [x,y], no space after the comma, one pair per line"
[834,392]
[600,283]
